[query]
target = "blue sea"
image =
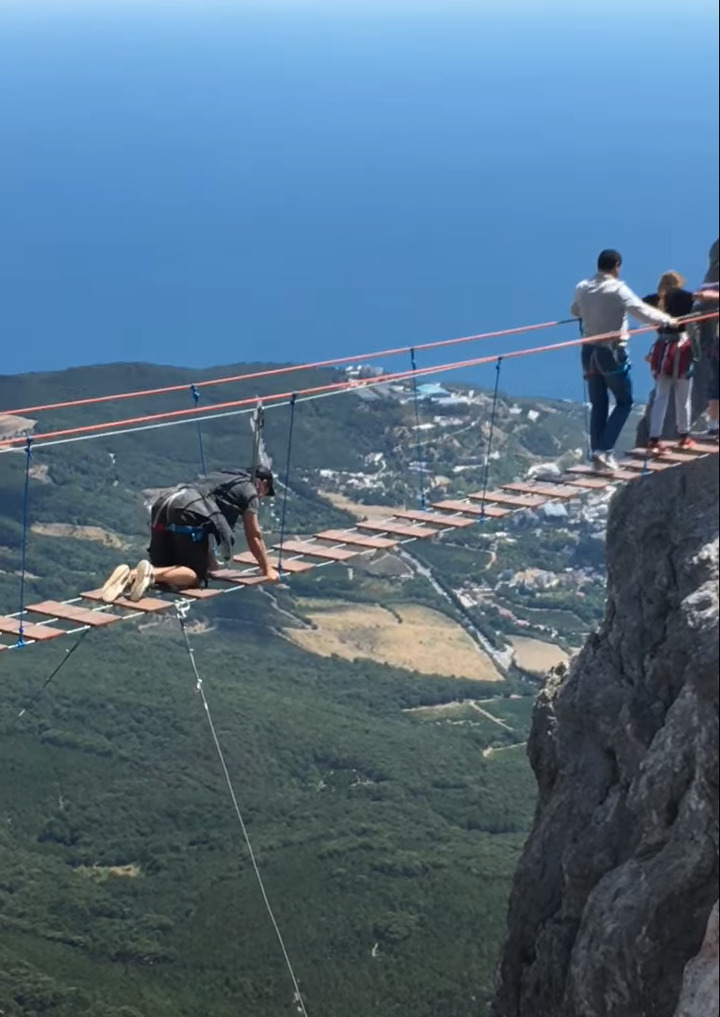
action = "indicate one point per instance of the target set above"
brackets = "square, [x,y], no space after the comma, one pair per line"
[206,183]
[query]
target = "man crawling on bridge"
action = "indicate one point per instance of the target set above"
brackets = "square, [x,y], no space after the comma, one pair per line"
[183,520]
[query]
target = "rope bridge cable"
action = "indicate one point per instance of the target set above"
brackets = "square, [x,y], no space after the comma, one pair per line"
[292,368]
[182,608]
[25,529]
[418,444]
[108,428]
[196,400]
[486,472]
[53,674]
[586,400]
[283,514]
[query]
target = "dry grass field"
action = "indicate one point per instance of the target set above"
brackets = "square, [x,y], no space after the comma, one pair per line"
[424,640]
[535,656]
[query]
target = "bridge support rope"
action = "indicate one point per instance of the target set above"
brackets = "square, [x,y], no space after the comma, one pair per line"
[196,400]
[422,497]
[493,414]
[182,608]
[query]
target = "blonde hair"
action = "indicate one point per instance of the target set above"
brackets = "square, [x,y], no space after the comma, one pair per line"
[668,281]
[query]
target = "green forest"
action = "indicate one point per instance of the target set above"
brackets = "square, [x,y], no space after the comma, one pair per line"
[386,838]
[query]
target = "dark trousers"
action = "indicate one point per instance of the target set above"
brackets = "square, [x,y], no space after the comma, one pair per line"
[607,370]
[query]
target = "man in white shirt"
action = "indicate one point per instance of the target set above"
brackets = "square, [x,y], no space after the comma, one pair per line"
[603,304]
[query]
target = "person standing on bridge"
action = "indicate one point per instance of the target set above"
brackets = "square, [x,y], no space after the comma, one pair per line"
[183,520]
[707,301]
[603,304]
[671,362]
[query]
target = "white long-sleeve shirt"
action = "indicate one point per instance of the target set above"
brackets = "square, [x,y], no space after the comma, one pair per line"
[604,303]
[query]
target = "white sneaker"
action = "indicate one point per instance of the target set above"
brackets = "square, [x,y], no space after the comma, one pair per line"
[144,578]
[115,584]
[604,462]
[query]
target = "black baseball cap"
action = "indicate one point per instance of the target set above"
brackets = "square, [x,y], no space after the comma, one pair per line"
[263,473]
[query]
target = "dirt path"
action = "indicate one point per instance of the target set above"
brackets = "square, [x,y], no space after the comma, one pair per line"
[492,750]
[489,716]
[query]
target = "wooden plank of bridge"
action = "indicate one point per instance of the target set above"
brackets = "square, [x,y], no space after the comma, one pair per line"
[316,550]
[289,566]
[489,511]
[668,456]
[146,604]
[636,466]
[506,498]
[552,490]
[588,471]
[74,613]
[359,539]
[432,518]
[397,529]
[11,626]
[243,579]
[704,443]
[596,483]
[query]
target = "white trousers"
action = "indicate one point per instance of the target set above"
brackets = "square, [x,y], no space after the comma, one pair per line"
[682,388]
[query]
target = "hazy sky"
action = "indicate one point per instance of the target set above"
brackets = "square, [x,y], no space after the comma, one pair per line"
[217,182]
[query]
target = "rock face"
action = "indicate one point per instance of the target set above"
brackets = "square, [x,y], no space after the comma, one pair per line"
[699,995]
[613,892]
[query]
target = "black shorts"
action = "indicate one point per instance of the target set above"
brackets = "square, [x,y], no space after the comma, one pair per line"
[168,548]
[714,379]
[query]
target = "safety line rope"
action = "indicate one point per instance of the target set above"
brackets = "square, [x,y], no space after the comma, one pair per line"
[53,674]
[344,386]
[291,368]
[182,609]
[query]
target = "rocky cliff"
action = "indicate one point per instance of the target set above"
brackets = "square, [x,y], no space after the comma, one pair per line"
[616,886]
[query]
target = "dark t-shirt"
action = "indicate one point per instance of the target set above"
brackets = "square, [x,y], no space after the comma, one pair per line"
[234,492]
[678,303]
[213,504]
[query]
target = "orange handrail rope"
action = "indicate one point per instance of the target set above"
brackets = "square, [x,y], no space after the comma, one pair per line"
[195,413]
[289,369]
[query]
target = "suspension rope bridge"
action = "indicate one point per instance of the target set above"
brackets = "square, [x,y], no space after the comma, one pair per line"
[77,616]
[52,619]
